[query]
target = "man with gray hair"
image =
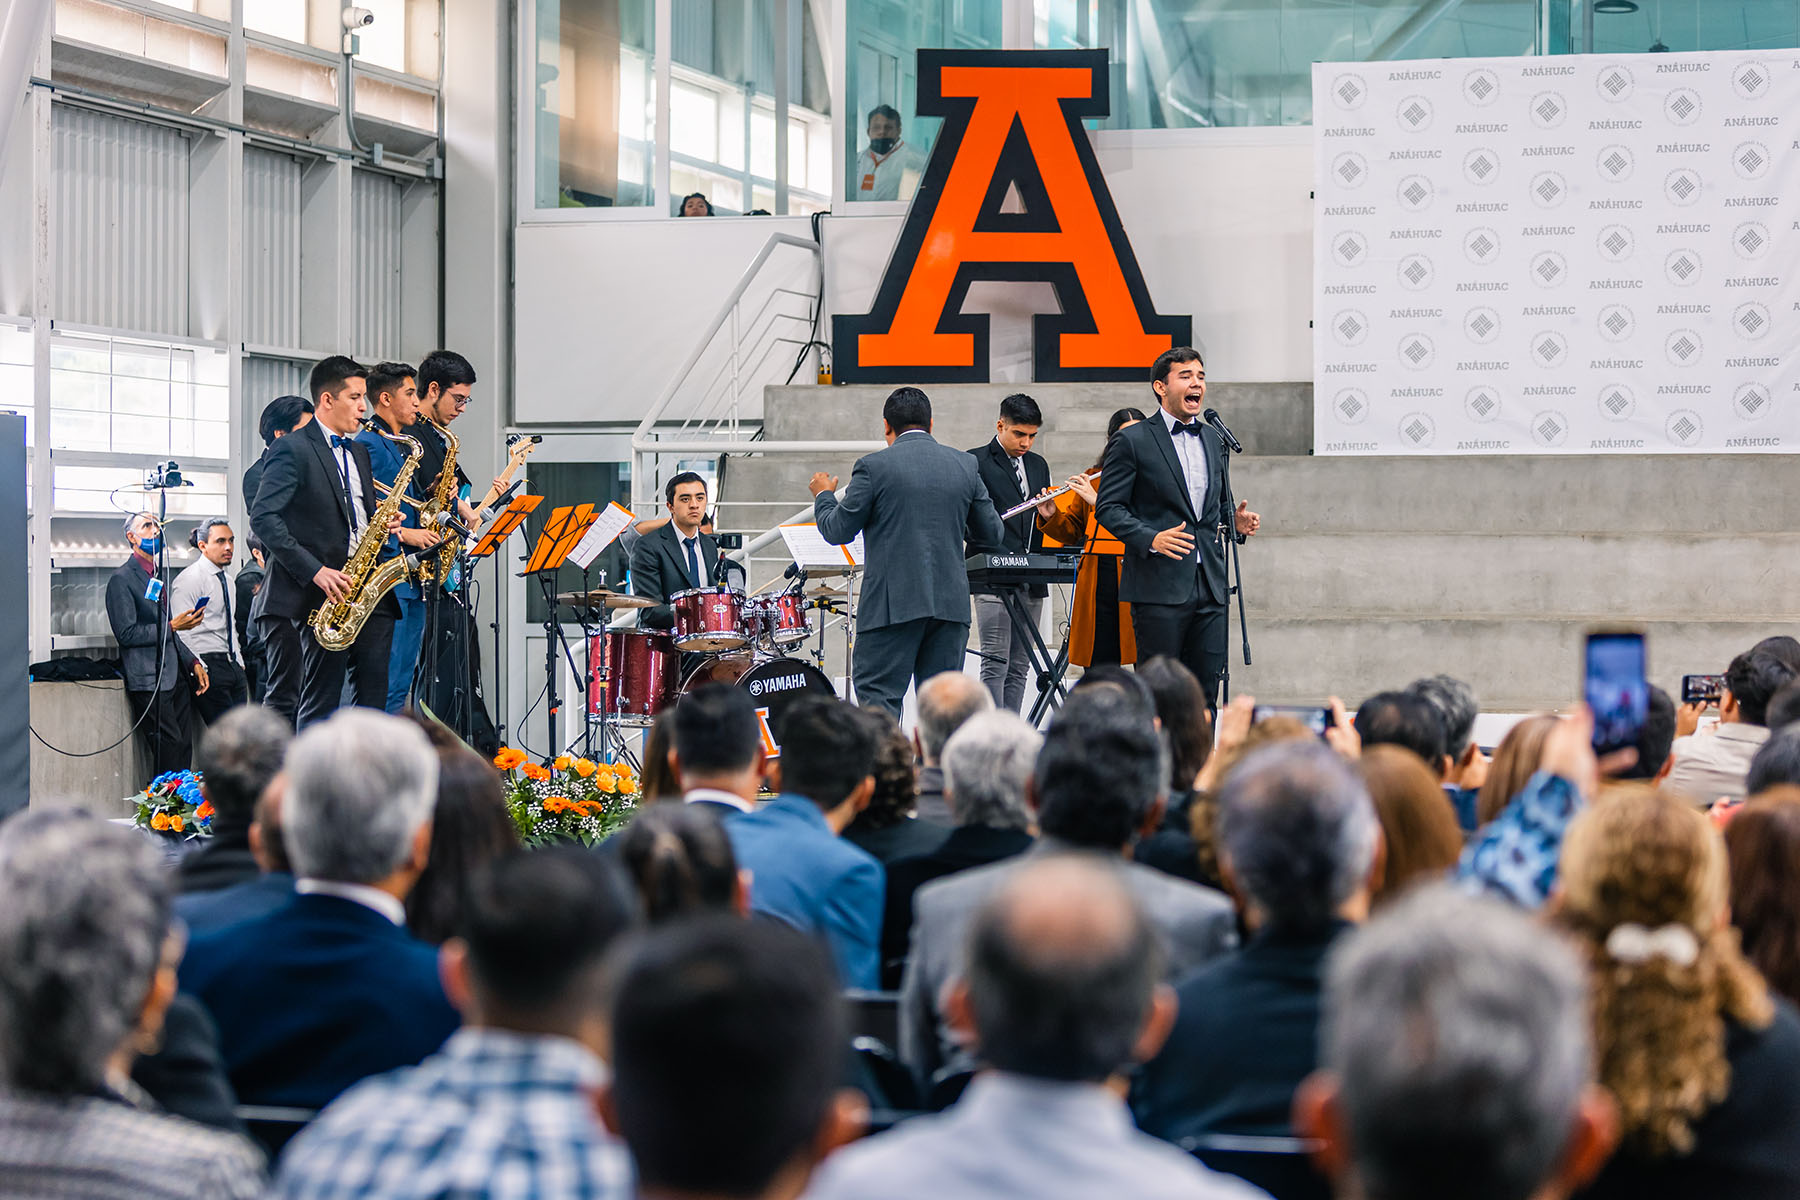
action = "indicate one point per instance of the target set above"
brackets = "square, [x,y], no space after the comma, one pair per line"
[1062,994]
[944,702]
[987,766]
[239,753]
[1299,848]
[1457,708]
[332,988]
[1457,1059]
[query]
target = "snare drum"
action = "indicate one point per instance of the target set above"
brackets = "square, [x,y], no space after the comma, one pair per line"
[635,675]
[781,620]
[709,619]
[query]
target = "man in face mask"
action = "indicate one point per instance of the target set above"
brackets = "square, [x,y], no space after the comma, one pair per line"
[155,659]
[888,169]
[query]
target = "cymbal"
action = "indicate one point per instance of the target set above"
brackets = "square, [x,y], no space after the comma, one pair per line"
[825,591]
[604,598]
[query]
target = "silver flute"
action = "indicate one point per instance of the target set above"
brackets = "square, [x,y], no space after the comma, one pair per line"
[1052,494]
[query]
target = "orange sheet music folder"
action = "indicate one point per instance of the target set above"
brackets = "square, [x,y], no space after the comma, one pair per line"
[503,524]
[561,532]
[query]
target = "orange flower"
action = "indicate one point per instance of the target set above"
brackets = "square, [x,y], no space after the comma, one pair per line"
[204,811]
[584,767]
[583,806]
[176,823]
[508,758]
[160,821]
[556,804]
[534,772]
[562,762]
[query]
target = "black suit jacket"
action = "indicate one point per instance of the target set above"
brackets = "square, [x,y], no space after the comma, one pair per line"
[138,625]
[302,518]
[1143,492]
[966,846]
[253,479]
[996,467]
[659,570]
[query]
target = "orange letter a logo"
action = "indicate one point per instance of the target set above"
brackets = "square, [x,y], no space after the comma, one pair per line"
[1011,119]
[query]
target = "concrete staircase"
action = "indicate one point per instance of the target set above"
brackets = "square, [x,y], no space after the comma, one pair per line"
[1373,571]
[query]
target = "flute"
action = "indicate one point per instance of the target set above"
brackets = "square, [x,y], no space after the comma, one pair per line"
[1052,494]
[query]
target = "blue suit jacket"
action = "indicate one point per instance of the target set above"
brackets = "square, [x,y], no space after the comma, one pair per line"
[316,996]
[809,877]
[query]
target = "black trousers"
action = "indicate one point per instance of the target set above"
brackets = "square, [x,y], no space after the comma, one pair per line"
[166,734]
[306,681]
[1192,633]
[227,687]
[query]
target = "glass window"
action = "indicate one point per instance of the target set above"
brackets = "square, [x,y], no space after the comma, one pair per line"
[594,104]
[128,397]
[885,140]
[278,18]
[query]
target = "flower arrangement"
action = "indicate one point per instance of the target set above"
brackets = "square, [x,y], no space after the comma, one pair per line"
[571,800]
[171,805]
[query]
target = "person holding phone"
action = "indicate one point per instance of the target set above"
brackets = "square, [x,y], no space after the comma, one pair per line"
[1711,767]
[154,658]
[205,587]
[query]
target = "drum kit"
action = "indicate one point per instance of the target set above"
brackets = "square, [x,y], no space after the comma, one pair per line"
[719,635]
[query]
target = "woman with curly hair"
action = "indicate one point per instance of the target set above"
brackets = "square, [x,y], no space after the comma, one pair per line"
[1700,1060]
[891,828]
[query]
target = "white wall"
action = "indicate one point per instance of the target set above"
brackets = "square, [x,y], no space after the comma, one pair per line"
[1221,221]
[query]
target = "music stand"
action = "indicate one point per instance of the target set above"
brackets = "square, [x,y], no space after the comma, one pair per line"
[503,524]
[561,533]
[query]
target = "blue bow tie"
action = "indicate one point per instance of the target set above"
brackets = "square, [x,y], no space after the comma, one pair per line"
[1192,427]
[338,441]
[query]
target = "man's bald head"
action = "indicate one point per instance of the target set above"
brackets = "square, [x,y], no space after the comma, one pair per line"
[1063,971]
[945,701]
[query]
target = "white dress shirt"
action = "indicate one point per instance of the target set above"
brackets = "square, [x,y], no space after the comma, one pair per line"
[718,797]
[356,893]
[351,471]
[1192,453]
[214,634]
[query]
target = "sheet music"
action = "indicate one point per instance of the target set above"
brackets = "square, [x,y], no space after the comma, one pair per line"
[810,549]
[611,523]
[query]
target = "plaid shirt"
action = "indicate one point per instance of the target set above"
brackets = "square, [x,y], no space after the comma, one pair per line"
[494,1114]
[1514,856]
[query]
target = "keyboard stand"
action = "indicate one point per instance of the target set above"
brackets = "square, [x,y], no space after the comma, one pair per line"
[1049,670]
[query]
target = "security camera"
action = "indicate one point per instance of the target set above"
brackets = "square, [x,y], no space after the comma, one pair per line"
[355,18]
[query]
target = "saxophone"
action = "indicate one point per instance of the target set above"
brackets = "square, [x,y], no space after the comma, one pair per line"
[336,623]
[442,500]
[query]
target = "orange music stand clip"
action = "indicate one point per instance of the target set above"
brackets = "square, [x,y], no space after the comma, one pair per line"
[561,532]
[503,524]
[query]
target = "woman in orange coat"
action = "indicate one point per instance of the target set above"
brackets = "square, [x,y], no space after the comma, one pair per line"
[1099,625]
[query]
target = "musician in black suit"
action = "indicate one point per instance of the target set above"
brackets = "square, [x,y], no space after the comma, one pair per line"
[676,557]
[153,657]
[1165,492]
[1011,473]
[280,417]
[316,496]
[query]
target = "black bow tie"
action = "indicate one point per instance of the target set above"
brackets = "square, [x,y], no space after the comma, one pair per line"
[338,441]
[1192,427]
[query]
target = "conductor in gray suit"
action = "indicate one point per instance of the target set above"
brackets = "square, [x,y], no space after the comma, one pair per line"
[914,503]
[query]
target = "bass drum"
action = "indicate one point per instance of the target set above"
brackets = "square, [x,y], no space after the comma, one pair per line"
[773,684]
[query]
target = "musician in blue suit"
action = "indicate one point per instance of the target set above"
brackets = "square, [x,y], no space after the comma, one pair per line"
[331,988]
[801,870]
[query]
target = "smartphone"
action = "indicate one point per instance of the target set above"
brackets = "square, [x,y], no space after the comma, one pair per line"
[202,602]
[1315,717]
[1702,689]
[1615,686]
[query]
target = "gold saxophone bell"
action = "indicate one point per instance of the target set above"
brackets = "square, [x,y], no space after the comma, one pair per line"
[337,622]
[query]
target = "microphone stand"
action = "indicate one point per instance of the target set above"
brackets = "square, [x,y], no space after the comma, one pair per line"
[1234,575]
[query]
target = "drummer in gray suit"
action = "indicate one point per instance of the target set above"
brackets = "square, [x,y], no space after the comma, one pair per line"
[914,503]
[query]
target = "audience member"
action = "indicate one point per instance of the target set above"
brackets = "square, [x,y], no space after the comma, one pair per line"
[1456,707]
[889,828]
[695,204]
[657,780]
[987,766]
[1456,1060]
[331,988]
[505,1109]
[1655,738]
[1784,707]
[1238,734]
[239,753]
[1514,856]
[1405,719]
[470,827]
[1711,767]
[681,863]
[1186,723]
[1300,847]
[1062,995]
[727,1048]
[88,951]
[1098,785]
[1134,690]
[716,749]
[801,869]
[1777,762]
[944,702]
[1698,1058]
[1515,762]
[209,912]
[1763,848]
[1419,832]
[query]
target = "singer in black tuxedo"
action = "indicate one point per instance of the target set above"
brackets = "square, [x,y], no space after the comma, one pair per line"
[1165,492]
[303,515]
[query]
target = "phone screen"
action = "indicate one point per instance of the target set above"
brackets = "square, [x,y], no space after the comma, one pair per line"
[1315,718]
[1616,690]
[1701,689]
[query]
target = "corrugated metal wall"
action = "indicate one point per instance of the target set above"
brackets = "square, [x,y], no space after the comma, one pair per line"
[691,40]
[265,379]
[375,221]
[271,247]
[120,212]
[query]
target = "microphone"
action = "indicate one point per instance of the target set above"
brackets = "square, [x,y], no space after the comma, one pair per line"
[452,524]
[794,569]
[1211,417]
